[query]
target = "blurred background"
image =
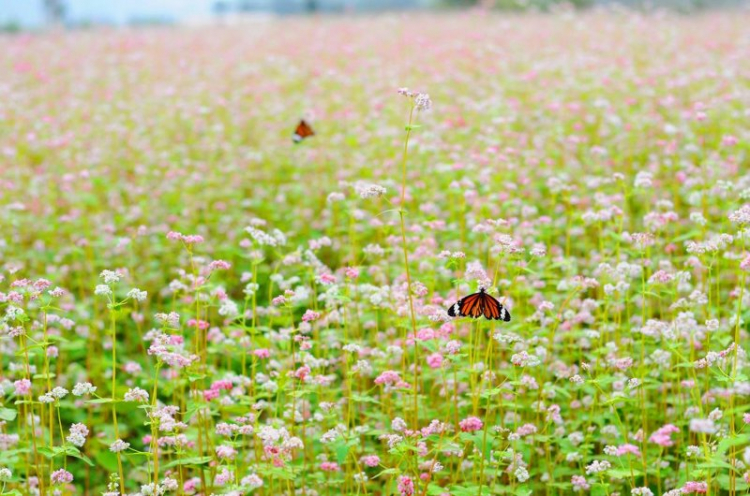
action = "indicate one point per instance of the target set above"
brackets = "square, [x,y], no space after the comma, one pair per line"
[18,15]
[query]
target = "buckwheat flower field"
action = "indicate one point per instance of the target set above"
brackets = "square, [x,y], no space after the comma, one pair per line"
[193,304]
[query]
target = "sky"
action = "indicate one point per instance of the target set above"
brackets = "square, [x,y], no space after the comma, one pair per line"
[30,13]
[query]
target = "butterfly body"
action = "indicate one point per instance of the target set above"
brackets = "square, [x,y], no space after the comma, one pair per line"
[302,131]
[479,304]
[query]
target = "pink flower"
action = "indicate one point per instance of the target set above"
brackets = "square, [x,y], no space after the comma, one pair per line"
[193,239]
[351,272]
[405,486]
[695,487]
[310,316]
[470,424]
[327,278]
[222,384]
[453,347]
[174,236]
[200,324]
[579,483]
[628,448]
[191,485]
[279,300]
[745,264]
[226,452]
[219,265]
[330,467]
[302,372]
[371,460]
[526,430]
[663,436]
[211,394]
[61,477]
[262,353]
[746,418]
[23,387]
[388,377]
[435,360]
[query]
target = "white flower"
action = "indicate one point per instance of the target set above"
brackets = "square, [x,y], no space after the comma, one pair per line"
[137,395]
[369,190]
[109,276]
[137,295]
[252,481]
[118,446]
[422,102]
[58,393]
[83,388]
[5,474]
[705,426]
[598,466]
[352,348]
[228,308]
[102,290]
[521,474]
[693,451]
[170,484]
[12,313]
[741,216]
[78,433]
[643,180]
[398,424]
[333,198]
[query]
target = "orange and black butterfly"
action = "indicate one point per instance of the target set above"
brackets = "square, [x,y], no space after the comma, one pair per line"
[478,304]
[302,131]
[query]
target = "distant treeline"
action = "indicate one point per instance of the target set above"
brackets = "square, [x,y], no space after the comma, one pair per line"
[679,5]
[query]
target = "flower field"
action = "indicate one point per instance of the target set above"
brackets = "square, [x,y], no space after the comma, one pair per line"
[193,304]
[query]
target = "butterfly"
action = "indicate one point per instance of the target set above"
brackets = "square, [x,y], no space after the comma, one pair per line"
[302,131]
[478,304]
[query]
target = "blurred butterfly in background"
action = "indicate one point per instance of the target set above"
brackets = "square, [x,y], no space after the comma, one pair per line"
[478,304]
[302,131]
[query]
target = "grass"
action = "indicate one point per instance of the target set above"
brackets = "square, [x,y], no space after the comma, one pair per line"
[237,314]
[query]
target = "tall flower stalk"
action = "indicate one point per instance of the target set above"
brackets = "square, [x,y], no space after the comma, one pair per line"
[418,102]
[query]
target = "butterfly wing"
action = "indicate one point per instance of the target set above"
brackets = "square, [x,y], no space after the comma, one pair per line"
[493,309]
[478,304]
[302,131]
[468,306]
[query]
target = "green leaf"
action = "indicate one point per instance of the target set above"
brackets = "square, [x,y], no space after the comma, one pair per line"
[716,462]
[360,398]
[192,376]
[83,457]
[8,414]
[622,473]
[728,442]
[464,491]
[195,460]
[44,376]
[46,452]
[342,451]
[107,459]
[388,471]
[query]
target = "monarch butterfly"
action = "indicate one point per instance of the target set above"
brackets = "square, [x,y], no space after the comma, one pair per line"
[478,304]
[302,131]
